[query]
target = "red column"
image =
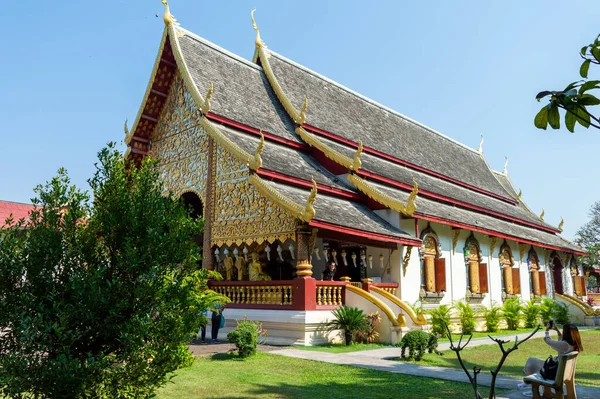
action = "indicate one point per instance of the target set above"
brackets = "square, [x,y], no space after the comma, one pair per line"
[304,286]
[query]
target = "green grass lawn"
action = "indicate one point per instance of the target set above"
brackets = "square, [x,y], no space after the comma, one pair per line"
[487,357]
[273,376]
[342,348]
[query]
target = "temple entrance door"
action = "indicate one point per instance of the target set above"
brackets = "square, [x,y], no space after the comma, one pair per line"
[196,210]
[557,275]
[353,271]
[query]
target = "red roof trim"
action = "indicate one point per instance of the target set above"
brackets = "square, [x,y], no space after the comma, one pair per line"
[362,234]
[426,193]
[302,183]
[399,161]
[490,232]
[256,132]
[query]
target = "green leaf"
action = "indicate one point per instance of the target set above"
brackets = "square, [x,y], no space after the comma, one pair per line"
[583,70]
[584,50]
[541,119]
[590,84]
[588,99]
[570,120]
[542,94]
[554,117]
[596,53]
[582,117]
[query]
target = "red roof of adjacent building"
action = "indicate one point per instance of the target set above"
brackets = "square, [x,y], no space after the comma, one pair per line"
[17,209]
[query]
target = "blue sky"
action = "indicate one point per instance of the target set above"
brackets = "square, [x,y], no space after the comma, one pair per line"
[73,71]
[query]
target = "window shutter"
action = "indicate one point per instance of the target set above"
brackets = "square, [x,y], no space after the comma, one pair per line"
[578,280]
[440,275]
[516,280]
[542,283]
[483,278]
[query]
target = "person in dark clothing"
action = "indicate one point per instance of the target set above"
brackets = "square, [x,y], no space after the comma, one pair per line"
[202,332]
[217,314]
[329,273]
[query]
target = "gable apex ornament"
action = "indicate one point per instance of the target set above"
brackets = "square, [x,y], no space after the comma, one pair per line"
[302,115]
[206,105]
[356,162]
[258,41]
[542,215]
[505,170]
[480,149]
[168,18]
[561,224]
[519,195]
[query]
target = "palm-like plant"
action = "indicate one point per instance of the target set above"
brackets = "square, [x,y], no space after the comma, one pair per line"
[350,320]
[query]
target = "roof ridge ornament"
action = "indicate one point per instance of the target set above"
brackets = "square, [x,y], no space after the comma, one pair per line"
[480,149]
[519,195]
[259,149]
[561,224]
[206,105]
[407,208]
[168,18]
[259,42]
[542,215]
[356,162]
[505,170]
[128,134]
[302,115]
[309,211]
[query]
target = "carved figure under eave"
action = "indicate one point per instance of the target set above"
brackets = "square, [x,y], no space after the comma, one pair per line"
[240,265]
[228,263]
[255,271]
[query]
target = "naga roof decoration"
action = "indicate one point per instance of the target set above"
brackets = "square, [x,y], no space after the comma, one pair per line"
[249,111]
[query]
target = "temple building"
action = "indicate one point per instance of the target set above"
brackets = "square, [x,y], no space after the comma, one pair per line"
[291,170]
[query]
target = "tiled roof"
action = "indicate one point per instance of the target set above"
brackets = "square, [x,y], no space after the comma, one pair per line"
[17,209]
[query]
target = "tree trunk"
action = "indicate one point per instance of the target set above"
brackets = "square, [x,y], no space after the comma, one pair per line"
[348,336]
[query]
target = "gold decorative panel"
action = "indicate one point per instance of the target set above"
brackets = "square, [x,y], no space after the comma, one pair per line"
[180,143]
[241,213]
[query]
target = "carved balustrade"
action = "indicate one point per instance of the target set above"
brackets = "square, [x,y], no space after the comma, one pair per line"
[389,287]
[330,293]
[256,294]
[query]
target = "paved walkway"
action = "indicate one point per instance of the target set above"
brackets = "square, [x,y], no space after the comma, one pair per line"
[378,359]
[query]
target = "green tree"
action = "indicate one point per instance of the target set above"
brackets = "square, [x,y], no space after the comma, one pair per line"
[588,236]
[98,298]
[574,99]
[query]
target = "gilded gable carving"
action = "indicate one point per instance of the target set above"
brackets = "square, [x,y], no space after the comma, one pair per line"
[241,213]
[180,143]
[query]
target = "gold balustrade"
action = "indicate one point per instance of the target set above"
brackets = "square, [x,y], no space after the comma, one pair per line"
[391,290]
[329,295]
[357,285]
[256,294]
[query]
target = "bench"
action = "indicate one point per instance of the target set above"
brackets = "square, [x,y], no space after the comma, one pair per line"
[565,376]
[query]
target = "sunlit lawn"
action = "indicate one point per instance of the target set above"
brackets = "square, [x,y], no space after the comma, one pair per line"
[342,348]
[272,376]
[487,357]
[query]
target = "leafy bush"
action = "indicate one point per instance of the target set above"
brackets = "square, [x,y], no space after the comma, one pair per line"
[492,317]
[531,313]
[350,320]
[417,343]
[370,334]
[98,299]
[547,310]
[467,317]
[561,314]
[440,319]
[512,312]
[246,337]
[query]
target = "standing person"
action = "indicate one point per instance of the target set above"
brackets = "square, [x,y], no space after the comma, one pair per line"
[568,341]
[329,273]
[202,334]
[217,315]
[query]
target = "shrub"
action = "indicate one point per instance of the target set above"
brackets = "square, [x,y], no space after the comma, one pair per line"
[561,314]
[547,310]
[531,313]
[417,343]
[492,317]
[467,317]
[350,320]
[246,337]
[370,334]
[98,298]
[512,312]
[590,301]
[440,319]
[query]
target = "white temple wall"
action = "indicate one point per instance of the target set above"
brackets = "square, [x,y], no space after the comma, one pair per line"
[410,279]
[524,273]
[495,273]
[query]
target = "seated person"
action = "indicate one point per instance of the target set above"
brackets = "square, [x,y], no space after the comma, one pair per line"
[329,273]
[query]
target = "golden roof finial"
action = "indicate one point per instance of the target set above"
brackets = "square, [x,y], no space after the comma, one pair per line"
[206,105]
[309,211]
[480,150]
[411,207]
[258,41]
[519,195]
[505,171]
[561,224]
[302,116]
[542,215]
[168,18]
[259,149]
[127,133]
[356,162]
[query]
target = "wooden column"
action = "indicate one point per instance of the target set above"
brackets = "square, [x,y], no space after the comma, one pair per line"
[207,258]
[508,283]
[535,281]
[304,286]
[429,273]
[474,276]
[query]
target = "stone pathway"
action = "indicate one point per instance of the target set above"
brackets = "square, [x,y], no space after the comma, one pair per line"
[378,359]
